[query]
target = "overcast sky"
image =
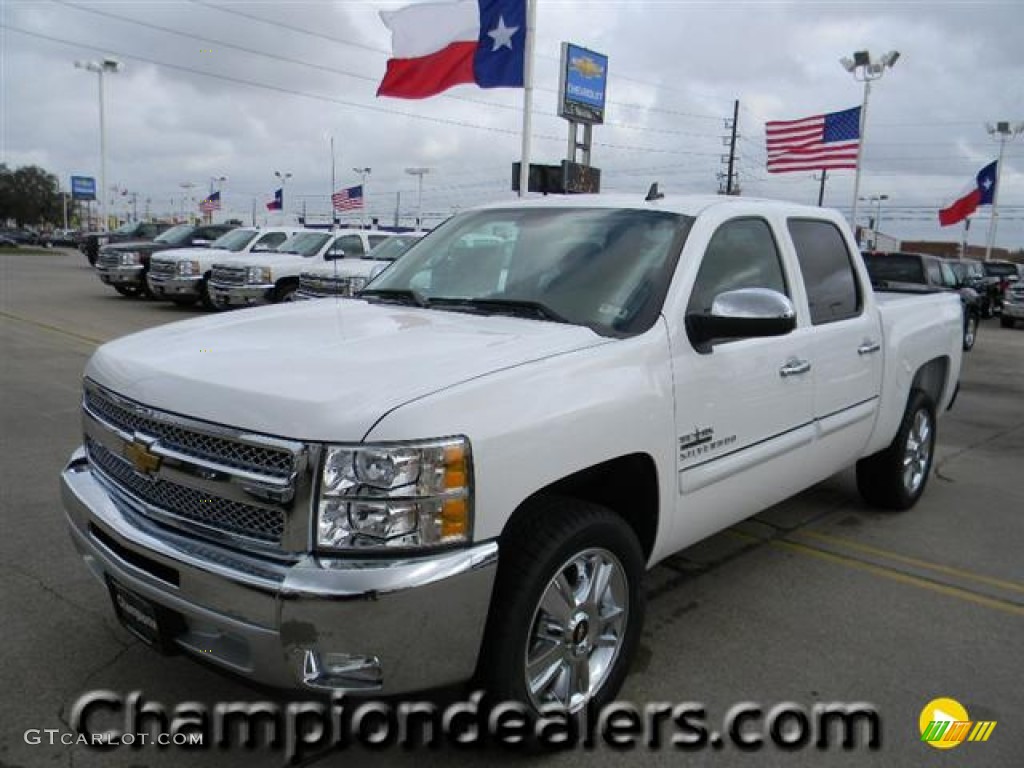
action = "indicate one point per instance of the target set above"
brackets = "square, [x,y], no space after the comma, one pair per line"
[242,89]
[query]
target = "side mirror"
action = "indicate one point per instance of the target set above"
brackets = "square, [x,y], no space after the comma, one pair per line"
[741,314]
[261,249]
[202,243]
[334,254]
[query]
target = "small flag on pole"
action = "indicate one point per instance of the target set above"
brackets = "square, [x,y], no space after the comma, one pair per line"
[436,46]
[814,143]
[278,202]
[982,192]
[211,203]
[348,199]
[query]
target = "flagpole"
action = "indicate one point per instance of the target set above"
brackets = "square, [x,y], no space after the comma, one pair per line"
[524,162]
[330,198]
[993,221]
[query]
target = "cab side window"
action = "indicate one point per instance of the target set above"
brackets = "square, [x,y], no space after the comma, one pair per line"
[742,254]
[352,245]
[376,240]
[833,292]
[270,240]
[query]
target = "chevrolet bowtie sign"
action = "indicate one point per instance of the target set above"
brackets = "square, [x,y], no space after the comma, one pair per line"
[142,458]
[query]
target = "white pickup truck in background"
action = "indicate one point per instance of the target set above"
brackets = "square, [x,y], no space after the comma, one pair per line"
[466,471]
[346,277]
[182,275]
[270,278]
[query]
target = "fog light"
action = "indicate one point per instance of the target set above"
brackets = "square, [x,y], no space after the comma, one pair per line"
[342,671]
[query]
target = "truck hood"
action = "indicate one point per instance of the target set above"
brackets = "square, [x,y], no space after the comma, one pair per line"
[319,370]
[195,252]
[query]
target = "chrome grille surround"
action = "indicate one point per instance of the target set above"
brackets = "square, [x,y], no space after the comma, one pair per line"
[163,268]
[228,275]
[233,487]
[108,259]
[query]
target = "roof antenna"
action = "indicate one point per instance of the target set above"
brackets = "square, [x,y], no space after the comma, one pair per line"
[653,193]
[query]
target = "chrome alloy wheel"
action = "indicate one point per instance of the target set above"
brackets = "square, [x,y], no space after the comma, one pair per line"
[577,630]
[918,451]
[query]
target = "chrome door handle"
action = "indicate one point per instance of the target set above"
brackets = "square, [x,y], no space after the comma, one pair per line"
[794,368]
[868,348]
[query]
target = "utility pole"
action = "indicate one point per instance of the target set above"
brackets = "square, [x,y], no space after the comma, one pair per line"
[731,186]
[398,206]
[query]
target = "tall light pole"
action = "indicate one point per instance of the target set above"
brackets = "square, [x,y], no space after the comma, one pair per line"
[283,178]
[1005,132]
[186,199]
[876,222]
[364,174]
[865,70]
[420,173]
[112,66]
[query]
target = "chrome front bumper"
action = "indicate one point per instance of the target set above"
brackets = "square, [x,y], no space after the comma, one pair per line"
[354,625]
[174,286]
[129,275]
[1014,310]
[241,295]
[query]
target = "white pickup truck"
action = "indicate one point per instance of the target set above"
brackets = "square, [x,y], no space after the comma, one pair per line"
[467,470]
[181,275]
[270,278]
[346,277]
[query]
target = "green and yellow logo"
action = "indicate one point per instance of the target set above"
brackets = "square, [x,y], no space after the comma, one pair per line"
[945,724]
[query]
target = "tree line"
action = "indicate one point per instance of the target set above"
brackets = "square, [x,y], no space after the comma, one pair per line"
[30,196]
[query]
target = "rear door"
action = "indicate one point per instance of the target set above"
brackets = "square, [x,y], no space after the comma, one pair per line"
[847,342]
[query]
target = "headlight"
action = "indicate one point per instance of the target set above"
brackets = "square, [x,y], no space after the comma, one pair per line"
[412,495]
[130,258]
[188,268]
[354,286]
[258,275]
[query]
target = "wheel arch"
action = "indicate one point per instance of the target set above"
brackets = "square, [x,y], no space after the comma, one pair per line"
[931,378]
[627,485]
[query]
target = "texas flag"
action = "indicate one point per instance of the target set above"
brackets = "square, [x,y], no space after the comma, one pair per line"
[439,45]
[983,192]
[278,202]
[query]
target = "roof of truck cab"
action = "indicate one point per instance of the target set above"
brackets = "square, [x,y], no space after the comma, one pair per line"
[688,205]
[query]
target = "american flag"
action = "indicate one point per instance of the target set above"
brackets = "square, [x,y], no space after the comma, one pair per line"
[814,143]
[211,203]
[348,199]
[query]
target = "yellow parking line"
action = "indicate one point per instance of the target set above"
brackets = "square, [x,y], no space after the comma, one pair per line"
[969,575]
[53,328]
[904,578]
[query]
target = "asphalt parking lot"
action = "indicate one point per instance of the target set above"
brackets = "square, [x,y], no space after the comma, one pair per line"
[818,599]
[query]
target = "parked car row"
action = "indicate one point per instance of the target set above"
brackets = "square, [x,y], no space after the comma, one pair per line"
[223,266]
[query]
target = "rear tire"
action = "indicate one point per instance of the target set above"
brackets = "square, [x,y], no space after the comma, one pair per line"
[896,477]
[567,609]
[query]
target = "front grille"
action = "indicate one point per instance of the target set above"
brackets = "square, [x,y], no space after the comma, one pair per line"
[328,285]
[228,275]
[108,259]
[188,504]
[163,268]
[129,418]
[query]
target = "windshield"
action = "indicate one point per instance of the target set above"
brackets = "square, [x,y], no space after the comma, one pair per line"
[126,229]
[304,243]
[235,240]
[896,269]
[392,248]
[176,235]
[604,268]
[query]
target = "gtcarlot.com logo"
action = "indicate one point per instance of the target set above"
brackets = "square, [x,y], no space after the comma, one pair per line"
[945,724]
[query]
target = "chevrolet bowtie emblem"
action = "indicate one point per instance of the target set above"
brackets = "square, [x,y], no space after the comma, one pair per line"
[142,458]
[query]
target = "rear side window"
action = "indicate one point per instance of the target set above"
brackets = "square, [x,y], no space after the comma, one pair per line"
[271,240]
[832,289]
[934,272]
[352,245]
[376,240]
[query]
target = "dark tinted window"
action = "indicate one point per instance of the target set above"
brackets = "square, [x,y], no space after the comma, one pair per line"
[742,254]
[1000,270]
[271,240]
[376,240]
[893,268]
[832,290]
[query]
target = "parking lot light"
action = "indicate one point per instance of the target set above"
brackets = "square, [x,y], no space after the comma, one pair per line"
[112,66]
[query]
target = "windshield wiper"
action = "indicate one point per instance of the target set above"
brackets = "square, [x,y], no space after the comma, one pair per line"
[400,295]
[516,307]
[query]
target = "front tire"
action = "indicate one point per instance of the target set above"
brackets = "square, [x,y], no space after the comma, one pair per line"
[131,291]
[1006,322]
[285,292]
[567,609]
[896,477]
